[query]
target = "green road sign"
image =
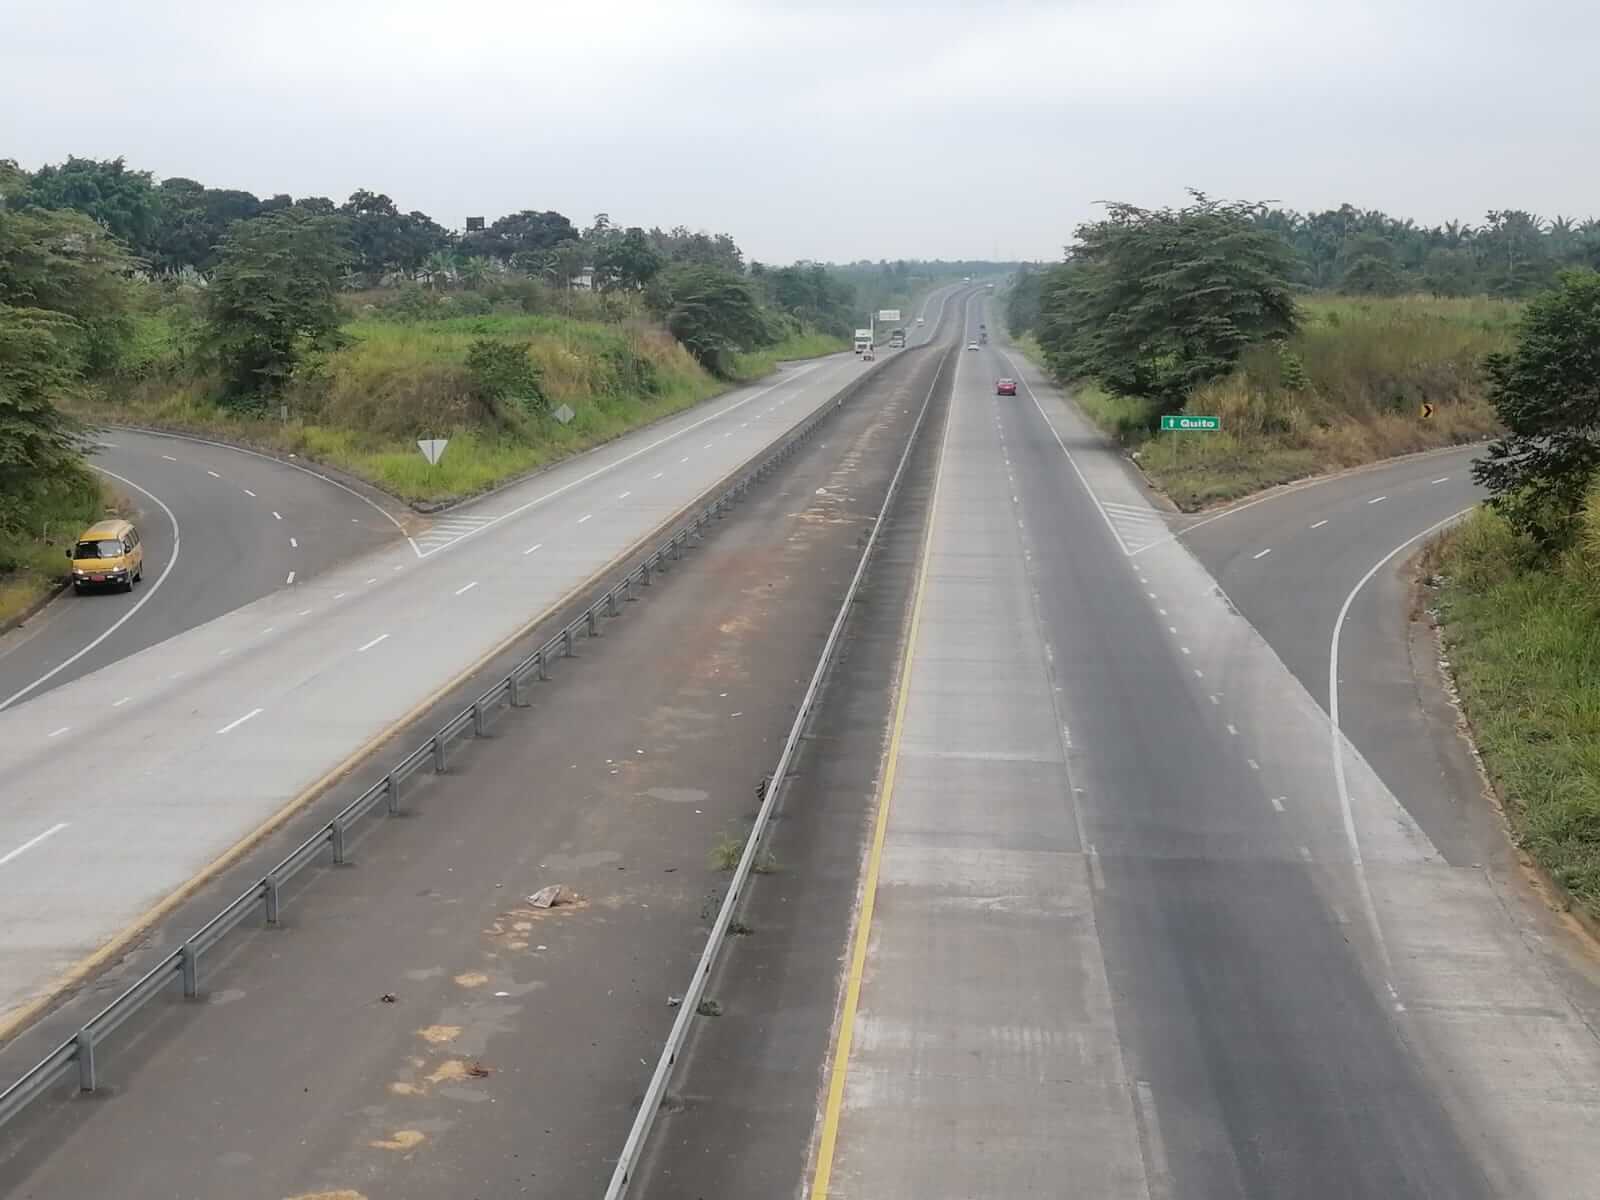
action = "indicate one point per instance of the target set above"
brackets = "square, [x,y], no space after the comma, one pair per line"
[1182,423]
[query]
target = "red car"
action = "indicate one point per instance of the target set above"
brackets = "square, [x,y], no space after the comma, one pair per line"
[1005,387]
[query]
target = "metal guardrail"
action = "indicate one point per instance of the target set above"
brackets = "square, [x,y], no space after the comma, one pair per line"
[688,1007]
[184,962]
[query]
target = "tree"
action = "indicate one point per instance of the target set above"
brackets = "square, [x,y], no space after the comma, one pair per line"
[714,314]
[1546,392]
[627,260]
[273,297]
[122,201]
[1370,275]
[1156,302]
[193,221]
[1450,272]
[522,232]
[37,442]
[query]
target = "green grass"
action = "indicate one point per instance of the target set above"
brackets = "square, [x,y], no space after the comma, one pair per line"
[362,407]
[32,555]
[1523,639]
[1346,389]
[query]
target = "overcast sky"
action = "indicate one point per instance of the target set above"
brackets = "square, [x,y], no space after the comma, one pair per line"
[826,130]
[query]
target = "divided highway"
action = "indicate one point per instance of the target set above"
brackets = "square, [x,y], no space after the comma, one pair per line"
[212,733]
[1137,917]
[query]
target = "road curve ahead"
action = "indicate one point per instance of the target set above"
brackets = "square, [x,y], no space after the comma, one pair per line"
[1141,919]
[221,527]
[213,732]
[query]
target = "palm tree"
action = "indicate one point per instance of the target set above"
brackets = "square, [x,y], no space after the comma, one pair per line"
[437,268]
[474,271]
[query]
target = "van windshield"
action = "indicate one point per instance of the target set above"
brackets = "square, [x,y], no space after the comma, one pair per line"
[110,548]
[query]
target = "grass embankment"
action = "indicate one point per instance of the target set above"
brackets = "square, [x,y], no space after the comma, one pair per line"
[1347,389]
[362,407]
[1523,638]
[32,557]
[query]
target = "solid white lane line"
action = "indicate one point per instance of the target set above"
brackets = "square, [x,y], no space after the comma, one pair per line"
[532,548]
[1320,524]
[213,474]
[120,703]
[1441,479]
[249,493]
[234,724]
[293,544]
[177,543]
[54,733]
[32,842]
[290,579]
[1277,803]
[363,649]
[1377,500]
[1264,553]
[169,458]
[624,495]
[462,591]
[584,518]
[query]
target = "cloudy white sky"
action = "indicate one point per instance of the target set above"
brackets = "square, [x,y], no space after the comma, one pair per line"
[826,130]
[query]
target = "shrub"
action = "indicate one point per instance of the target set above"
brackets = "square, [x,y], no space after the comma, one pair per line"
[502,373]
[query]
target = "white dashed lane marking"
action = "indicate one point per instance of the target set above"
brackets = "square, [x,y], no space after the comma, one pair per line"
[238,721]
[1377,500]
[1264,553]
[363,649]
[1319,524]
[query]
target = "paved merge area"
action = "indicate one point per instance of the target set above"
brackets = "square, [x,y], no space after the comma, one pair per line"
[518,1041]
[1143,924]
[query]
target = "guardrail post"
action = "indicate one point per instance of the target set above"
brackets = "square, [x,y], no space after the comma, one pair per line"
[611,603]
[339,859]
[189,957]
[271,882]
[644,574]
[516,691]
[677,550]
[477,718]
[391,792]
[85,1043]
[566,642]
[627,590]
[438,754]
[594,624]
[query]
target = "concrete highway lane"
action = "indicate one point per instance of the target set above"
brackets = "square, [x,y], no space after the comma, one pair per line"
[242,526]
[1142,924]
[214,731]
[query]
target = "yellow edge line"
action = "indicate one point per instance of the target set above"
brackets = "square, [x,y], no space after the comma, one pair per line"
[57,989]
[840,1064]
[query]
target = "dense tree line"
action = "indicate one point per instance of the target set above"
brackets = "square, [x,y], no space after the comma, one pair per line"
[1367,252]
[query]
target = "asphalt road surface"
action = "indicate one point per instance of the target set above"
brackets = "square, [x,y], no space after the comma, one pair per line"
[517,1041]
[1144,923]
[202,738]
[242,525]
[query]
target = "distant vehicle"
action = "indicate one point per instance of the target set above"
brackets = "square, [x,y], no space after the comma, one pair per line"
[107,554]
[988,287]
[863,340]
[1005,387]
[897,339]
[922,321]
[972,345]
[868,356]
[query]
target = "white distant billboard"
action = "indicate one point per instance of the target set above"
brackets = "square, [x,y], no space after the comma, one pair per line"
[888,314]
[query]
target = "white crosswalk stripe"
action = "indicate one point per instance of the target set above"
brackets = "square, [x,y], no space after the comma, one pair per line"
[447,530]
[1139,526]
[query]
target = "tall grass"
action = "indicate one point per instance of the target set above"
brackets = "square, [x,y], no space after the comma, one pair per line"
[362,407]
[1523,639]
[1348,388]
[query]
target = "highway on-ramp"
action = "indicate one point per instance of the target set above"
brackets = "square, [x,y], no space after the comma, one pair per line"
[221,527]
[1138,920]
[200,740]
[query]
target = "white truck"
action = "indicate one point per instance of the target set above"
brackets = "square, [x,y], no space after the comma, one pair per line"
[863,341]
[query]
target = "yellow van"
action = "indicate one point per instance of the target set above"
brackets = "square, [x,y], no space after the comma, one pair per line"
[108,554]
